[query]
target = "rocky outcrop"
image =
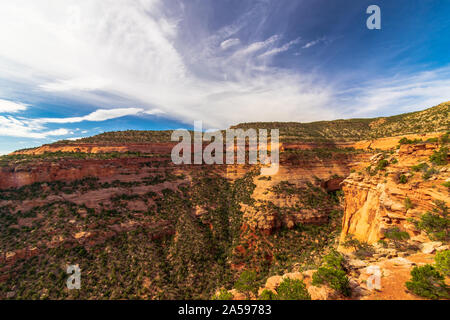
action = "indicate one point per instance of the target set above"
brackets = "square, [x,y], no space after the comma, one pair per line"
[378,200]
[150,148]
[66,170]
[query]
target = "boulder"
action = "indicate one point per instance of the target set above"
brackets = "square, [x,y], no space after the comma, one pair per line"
[237,295]
[356,263]
[322,293]
[443,248]
[402,261]
[293,276]
[430,247]
[273,282]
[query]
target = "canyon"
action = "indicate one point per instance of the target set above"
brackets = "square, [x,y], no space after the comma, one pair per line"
[102,197]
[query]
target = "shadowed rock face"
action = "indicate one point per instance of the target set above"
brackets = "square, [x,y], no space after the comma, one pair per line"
[333,184]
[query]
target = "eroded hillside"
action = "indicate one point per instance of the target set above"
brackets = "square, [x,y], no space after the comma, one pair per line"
[141,227]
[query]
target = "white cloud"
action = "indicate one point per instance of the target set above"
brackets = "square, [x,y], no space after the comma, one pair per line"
[154,111]
[14,127]
[75,138]
[80,84]
[100,51]
[34,128]
[400,94]
[58,132]
[133,50]
[283,48]
[11,107]
[98,115]
[230,43]
[312,43]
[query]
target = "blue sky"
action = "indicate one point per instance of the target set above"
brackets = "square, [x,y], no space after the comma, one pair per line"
[75,68]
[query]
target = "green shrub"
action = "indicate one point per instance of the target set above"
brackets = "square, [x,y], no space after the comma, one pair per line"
[427,282]
[267,295]
[409,141]
[223,295]
[445,138]
[432,140]
[292,289]
[442,260]
[440,157]
[247,283]
[446,184]
[383,163]
[351,242]
[396,234]
[420,167]
[332,272]
[361,250]
[428,173]
[436,223]
[383,243]
[408,203]
[402,179]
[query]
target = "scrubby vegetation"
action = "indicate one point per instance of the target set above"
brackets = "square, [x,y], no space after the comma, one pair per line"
[223,294]
[267,295]
[396,234]
[59,155]
[127,136]
[436,223]
[440,156]
[408,203]
[442,260]
[191,265]
[429,120]
[159,234]
[292,289]
[362,250]
[427,282]
[332,272]
[247,283]
[409,141]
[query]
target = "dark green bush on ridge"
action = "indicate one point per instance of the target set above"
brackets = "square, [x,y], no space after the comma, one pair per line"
[442,260]
[247,283]
[292,289]
[409,141]
[267,295]
[396,234]
[440,157]
[332,272]
[362,250]
[436,223]
[223,294]
[427,282]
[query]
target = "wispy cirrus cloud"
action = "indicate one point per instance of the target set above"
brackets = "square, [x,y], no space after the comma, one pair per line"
[152,55]
[312,43]
[230,43]
[403,93]
[134,50]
